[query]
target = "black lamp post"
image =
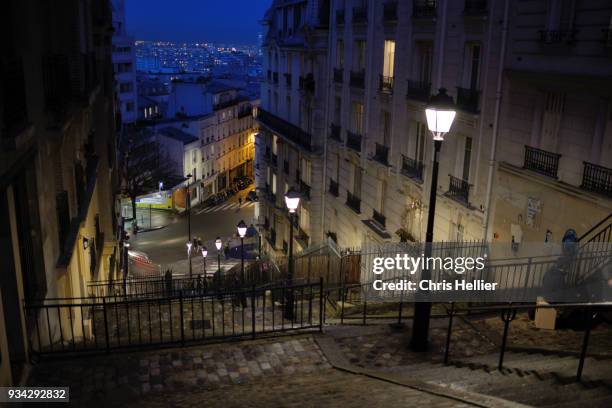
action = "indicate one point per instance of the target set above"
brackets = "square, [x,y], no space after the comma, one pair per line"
[126,261]
[218,245]
[242,229]
[440,113]
[188,205]
[292,200]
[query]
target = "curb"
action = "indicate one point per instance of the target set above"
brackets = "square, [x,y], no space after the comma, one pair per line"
[338,361]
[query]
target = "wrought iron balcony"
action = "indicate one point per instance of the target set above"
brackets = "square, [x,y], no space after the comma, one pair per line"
[334,132]
[357,79]
[333,187]
[541,161]
[597,179]
[475,7]
[339,17]
[275,77]
[390,12]
[467,99]
[385,84]
[557,36]
[14,113]
[360,15]
[353,202]
[353,141]
[287,79]
[307,83]
[412,168]
[338,75]
[285,129]
[418,90]
[458,189]
[381,154]
[424,8]
[379,218]
[305,190]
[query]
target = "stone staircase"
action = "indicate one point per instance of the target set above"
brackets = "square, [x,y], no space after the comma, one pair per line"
[537,379]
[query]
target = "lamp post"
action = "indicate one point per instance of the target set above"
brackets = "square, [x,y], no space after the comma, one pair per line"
[218,245]
[204,251]
[188,207]
[292,200]
[242,229]
[189,246]
[126,261]
[440,113]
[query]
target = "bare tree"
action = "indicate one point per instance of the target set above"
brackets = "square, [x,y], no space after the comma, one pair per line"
[145,165]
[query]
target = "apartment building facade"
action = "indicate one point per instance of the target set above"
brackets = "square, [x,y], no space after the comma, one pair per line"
[532,106]
[124,63]
[57,166]
[292,121]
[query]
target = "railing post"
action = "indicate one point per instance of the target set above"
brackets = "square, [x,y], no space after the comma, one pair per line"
[449,332]
[585,344]
[253,310]
[181,316]
[105,326]
[321,304]
[507,316]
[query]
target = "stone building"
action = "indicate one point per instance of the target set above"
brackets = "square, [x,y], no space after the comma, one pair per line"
[57,166]
[124,65]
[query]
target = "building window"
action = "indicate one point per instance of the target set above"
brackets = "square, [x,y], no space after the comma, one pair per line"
[126,87]
[356,181]
[386,127]
[419,146]
[129,106]
[359,56]
[389,58]
[357,117]
[337,110]
[472,65]
[424,60]
[382,191]
[305,170]
[339,54]
[304,219]
[467,157]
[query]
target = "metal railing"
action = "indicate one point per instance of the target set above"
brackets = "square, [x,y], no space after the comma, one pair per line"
[307,83]
[381,154]
[467,99]
[418,90]
[91,325]
[597,179]
[357,79]
[379,218]
[353,141]
[412,168]
[541,161]
[304,190]
[353,202]
[385,84]
[424,8]
[458,189]
[333,187]
[557,36]
[286,129]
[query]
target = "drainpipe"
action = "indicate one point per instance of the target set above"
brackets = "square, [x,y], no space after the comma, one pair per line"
[498,99]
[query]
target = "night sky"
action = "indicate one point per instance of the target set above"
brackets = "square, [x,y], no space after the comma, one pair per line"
[226,21]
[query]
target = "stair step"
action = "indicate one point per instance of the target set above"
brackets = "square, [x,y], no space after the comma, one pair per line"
[483,380]
[548,392]
[603,402]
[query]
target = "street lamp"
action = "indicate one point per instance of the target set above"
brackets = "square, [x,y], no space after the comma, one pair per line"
[189,246]
[218,245]
[242,229]
[292,200]
[440,113]
[188,207]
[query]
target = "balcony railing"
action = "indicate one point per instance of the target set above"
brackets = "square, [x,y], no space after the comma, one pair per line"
[557,36]
[390,11]
[15,113]
[339,17]
[285,129]
[353,141]
[385,84]
[424,8]
[334,132]
[360,15]
[541,161]
[305,190]
[467,99]
[475,7]
[412,168]
[228,103]
[275,77]
[353,202]
[333,187]
[597,178]
[287,79]
[458,189]
[338,75]
[381,154]
[379,218]
[418,91]
[357,79]
[307,83]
